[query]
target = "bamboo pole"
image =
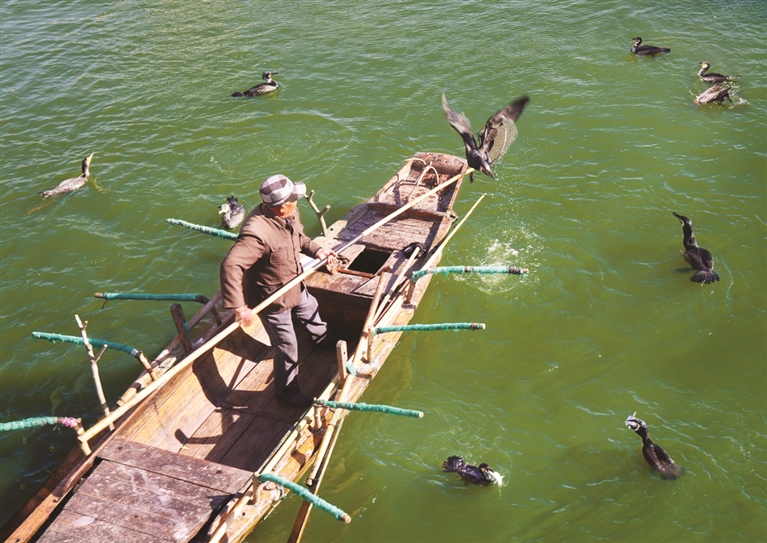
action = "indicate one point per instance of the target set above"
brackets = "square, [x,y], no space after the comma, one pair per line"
[220,523]
[120,411]
[436,254]
[94,366]
[396,283]
[323,456]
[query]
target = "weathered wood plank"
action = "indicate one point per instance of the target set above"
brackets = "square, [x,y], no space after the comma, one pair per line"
[128,497]
[71,527]
[192,470]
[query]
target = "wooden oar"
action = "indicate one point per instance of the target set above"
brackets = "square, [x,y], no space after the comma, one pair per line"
[212,342]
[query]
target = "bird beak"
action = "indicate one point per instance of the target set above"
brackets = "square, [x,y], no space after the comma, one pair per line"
[496,476]
[487,172]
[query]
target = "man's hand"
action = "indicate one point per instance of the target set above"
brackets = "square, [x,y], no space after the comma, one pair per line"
[244,315]
[330,254]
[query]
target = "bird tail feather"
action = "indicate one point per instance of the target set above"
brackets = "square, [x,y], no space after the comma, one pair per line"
[453,463]
[704,276]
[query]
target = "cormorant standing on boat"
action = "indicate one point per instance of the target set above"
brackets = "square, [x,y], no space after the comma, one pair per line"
[654,453]
[266,87]
[232,213]
[478,475]
[712,77]
[638,49]
[717,94]
[698,257]
[70,185]
[493,140]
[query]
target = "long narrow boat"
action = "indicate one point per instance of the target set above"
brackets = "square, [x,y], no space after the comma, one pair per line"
[184,459]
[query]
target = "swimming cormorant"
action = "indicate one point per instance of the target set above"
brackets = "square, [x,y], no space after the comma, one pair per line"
[654,453]
[638,49]
[698,257]
[266,87]
[717,94]
[232,213]
[71,184]
[478,475]
[493,140]
[712,77]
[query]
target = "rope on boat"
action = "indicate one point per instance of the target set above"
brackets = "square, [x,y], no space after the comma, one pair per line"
[199,298]
[388,409]
[204,229]
[39,421]
[306,494]
[53,338]
[471,269]
[428,327]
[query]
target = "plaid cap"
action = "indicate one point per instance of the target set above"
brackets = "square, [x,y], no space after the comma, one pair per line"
[278,189]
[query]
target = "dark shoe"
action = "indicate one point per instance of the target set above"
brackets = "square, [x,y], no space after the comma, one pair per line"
[330,339]
[295,398]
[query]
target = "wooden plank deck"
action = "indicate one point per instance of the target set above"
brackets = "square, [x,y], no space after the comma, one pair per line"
[143,493]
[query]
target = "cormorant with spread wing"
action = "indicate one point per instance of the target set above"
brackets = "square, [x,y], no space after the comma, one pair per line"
[493,139]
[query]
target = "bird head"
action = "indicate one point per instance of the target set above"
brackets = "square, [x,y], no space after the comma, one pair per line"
[704,64]
[635,423]
[268,75]
[637,40]
[491,475]
[89,157]
[224,209]
[682,219]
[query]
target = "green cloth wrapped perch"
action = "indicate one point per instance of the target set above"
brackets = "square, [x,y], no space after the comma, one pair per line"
[306,494]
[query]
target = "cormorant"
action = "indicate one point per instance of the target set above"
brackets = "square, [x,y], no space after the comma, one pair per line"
[717,94]
[266,87]
[478,475]
[654,453]
[639,49]
[698,257]
[232,213]
[71,184]
[493,140]
[712,77]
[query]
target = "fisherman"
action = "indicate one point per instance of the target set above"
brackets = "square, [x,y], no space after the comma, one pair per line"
[265,257]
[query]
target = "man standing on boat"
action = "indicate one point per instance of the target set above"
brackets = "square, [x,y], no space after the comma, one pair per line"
[265,257]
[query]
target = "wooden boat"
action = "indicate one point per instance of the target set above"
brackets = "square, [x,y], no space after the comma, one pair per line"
[183,460]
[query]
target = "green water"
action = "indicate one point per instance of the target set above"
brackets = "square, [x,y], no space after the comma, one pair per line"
[607,322]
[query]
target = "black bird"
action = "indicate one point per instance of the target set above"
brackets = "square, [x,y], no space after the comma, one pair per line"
[266,87]
[654,453]
[712,77]
[478,475]
[638,49]
[493,139]
[232,213]
[70,185]
[717,94]
[698,257]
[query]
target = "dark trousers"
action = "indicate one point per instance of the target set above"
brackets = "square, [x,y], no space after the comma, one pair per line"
[279,327]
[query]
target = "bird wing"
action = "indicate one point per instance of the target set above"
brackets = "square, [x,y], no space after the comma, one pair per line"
[707,259]
[661,454]
[460,123]
[500,131]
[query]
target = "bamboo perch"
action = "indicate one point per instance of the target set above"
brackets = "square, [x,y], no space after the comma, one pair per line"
[138,355]
[94,366]
[357,406]
[428,327]
[199,298]
[512,270]
[204,229]
[212,342]
[308,496]
[396,283]
[41,421]
[435,254]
